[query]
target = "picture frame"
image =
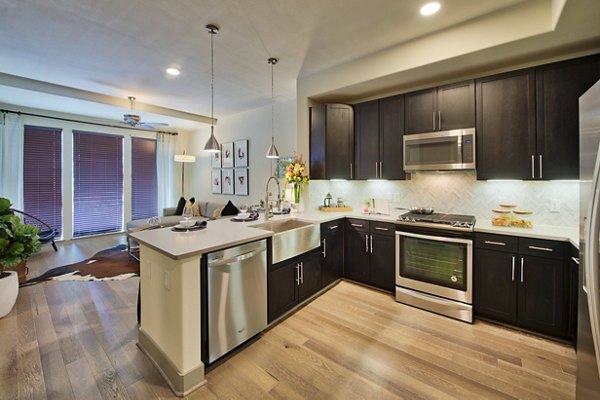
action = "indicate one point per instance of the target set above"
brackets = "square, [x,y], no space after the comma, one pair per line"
[227,181]
[215,160]
[240,153]
[216,181]
[227,155]
[241,181]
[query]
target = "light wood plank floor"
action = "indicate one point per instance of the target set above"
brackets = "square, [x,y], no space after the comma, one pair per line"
[67,340]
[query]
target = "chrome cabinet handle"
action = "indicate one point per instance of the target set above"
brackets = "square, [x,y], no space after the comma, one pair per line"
[357,225]
[540,166]
[512,275]
[298,274]
[375,169]
[301,272]
[575,259]
[381,229]
[440,120]
[541,248]
[495,243]
[532,166]
[324,248]
[522,261]
[380,169]
[350,170]
[371,244]
[433,120]
[333,227]
[367,244]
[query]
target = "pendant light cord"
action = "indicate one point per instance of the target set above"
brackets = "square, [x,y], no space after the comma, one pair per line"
[272,106]
[212,82]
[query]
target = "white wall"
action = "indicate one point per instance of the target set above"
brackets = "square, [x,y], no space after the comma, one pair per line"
[254,125]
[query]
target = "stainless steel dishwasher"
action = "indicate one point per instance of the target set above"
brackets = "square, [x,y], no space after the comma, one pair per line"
[237,296]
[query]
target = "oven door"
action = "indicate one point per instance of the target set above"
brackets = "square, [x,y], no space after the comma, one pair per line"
[437,265]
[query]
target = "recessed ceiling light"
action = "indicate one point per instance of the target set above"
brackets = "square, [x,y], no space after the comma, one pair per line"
[430,8]
[173,71]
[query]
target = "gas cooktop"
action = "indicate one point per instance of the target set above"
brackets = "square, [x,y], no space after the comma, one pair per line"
[447,221]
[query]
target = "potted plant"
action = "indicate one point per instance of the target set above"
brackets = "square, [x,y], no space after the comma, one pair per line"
[18,241]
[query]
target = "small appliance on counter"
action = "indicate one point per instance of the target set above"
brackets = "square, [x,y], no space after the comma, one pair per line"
[339,207]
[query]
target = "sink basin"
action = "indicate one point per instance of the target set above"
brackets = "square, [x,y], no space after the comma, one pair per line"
[292,237]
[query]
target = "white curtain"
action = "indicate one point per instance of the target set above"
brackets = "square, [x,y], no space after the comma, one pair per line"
[165,153]
[11,158]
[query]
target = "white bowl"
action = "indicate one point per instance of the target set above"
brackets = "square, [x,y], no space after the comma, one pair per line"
[186,224]
[243,216]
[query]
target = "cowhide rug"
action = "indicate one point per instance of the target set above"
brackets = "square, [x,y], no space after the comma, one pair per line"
[109,264]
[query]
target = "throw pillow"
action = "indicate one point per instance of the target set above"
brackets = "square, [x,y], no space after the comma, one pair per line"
[180,205]
[195,206]
[229,209]
[217,212]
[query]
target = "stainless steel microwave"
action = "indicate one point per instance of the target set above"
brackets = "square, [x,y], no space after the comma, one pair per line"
[440,151]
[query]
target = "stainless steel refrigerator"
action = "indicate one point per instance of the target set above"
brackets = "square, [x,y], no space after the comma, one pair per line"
[588,333]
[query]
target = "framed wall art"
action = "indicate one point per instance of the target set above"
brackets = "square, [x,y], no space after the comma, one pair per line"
[227,181]
[241,181]
[227,155]
[240,150]
[215,160]
[216,181]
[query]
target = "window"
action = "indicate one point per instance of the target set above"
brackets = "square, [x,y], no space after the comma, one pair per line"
[42,183]
[97,183]
[144,187]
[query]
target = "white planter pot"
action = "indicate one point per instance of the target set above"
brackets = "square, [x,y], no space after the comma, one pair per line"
[9,289]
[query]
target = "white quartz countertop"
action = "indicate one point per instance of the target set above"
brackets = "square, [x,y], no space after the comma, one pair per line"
[223,233]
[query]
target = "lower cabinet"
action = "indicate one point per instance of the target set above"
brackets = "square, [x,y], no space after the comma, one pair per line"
[332,245]
[369,252]
[522,281]
[292,281]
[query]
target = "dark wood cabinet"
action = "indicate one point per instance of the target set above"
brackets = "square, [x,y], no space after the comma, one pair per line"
[378,131]
[506,126]
[332,245]
[369,252]
[331,141]
[558,88]
[291,282]
[523,285]
[442,108]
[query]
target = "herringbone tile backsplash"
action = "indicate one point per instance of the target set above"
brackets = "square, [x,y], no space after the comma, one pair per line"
[458,193]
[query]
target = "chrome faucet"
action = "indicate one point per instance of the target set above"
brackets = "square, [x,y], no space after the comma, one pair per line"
[267,196]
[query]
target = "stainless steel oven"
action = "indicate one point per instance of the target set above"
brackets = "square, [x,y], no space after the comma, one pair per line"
[434,270]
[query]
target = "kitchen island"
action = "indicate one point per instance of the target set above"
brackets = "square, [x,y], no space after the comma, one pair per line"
[170,277]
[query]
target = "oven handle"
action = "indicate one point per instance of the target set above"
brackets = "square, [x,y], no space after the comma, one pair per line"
[436,238]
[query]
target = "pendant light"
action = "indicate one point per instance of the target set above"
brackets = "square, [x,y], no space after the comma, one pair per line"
[212,145]
[272,151]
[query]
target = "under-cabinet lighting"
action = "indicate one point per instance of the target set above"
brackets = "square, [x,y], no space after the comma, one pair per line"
[504,180]
[338,180]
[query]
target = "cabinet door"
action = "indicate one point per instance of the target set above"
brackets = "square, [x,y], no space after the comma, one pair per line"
[391,131]
[456,106]
[558,87]
[356,255]
[333,252]
[366,140]
[494,285]
[383,266]
[506,126]
[318,143]
[541,295]
[339,154]
[419,109]
[282,289]
[310,276]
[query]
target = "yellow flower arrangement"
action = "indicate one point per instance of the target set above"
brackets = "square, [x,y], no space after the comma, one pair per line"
[295,174]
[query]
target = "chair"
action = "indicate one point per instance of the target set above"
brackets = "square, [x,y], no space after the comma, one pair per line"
[46,236]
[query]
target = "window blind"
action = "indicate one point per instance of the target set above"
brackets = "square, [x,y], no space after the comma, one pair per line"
[42,180]
[97,183]
[144,187]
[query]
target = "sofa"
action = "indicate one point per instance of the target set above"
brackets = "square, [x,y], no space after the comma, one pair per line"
[204,210]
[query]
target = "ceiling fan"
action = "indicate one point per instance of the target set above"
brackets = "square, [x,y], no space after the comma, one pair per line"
[136,121]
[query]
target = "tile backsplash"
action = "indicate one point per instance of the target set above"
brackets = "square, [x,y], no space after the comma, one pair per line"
[459,193]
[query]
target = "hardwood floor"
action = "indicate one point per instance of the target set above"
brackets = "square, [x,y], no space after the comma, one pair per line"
[77,340]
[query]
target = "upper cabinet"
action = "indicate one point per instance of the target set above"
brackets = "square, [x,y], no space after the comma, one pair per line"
[379,127]
[442,108]
[528,120]
[331,141]
[506,126]
[558,87]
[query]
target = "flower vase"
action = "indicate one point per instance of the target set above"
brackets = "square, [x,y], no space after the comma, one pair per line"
[297,194]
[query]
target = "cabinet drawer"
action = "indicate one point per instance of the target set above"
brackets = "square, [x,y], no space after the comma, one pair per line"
[357,224]
[541,248]
[497,242]
[331,227]
[383,228]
